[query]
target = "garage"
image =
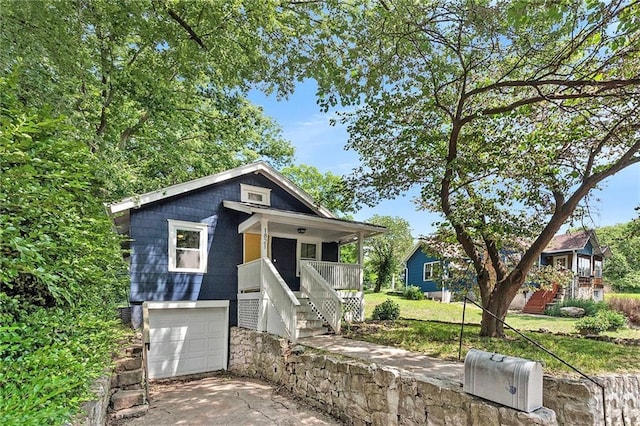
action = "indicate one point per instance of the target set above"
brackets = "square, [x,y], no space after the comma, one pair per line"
[185,337]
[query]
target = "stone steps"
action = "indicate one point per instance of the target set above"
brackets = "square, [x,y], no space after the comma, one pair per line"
[129,394]
[307,321]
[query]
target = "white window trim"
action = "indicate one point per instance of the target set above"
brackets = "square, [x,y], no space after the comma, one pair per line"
[245,190]
[174,225]
[424,271]
[589,266]
[318,245]
[556,260]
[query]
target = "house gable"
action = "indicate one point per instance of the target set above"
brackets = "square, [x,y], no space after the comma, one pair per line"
[415,264]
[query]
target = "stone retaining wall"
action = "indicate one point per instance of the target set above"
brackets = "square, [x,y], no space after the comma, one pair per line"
[94,412]
[579,402]
[359,393]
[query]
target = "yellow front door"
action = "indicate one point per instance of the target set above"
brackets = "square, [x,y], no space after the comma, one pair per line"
[251,247]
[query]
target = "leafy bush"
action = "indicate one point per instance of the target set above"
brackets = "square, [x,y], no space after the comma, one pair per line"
[413,292]
[49,359]
[56,241]
[387,310]
[630,307]
[590,307]
[605,320]
[591,325]
[615,319]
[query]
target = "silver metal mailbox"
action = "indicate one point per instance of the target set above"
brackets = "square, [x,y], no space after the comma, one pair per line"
[510,381]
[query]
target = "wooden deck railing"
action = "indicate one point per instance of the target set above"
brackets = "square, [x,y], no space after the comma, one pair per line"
[341,276]
[261,275]
[323,297]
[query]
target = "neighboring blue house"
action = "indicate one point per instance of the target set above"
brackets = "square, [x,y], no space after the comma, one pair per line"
[244,247]
[425,271]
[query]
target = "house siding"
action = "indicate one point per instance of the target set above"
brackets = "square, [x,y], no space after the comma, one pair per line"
[415,272]
[150,278]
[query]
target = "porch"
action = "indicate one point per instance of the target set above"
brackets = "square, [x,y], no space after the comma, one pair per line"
[291,282]
[330,292]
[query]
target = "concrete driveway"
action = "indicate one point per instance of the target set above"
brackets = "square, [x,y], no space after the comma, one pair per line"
[224,400]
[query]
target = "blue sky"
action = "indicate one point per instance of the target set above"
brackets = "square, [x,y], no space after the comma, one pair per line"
[321,145]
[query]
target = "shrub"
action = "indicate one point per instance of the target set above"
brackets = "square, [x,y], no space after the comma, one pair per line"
[49,359]
[387,310]
[630,307]
[591,307]
[604,320]
[591,325]
[615,319]
[413,292]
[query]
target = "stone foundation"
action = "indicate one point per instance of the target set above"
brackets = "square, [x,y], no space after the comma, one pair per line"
[579,402]
[359,393]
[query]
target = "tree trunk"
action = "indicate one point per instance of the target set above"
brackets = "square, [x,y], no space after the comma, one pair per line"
[498,304]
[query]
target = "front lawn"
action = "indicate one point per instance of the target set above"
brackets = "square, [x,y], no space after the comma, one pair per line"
[452,312]
[434,328]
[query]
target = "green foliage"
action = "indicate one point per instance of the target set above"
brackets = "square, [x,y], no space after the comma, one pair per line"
[413,292]
[56,241]
[622,270]
[49,359]
[328,190]
[604,320]
[387,310]
[591,307]
[384,253]
[156,89]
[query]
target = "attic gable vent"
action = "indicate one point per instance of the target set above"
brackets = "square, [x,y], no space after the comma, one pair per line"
[255,194]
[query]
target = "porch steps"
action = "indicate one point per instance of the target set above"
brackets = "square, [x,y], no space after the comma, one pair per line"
[308,323]
[540,300]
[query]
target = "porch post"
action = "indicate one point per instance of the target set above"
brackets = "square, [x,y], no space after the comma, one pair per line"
[360,258]
[264,237]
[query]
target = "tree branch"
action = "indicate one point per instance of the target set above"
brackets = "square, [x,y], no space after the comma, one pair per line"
[192,34]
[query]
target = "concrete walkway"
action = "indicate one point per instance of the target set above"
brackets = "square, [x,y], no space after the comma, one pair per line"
[415,363]
[224,400]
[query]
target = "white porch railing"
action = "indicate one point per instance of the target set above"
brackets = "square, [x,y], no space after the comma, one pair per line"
[341,276]
[323,297]
[250,276]
[275,296]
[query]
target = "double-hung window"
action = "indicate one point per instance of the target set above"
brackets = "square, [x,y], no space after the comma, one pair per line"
[187,246]
[307,251]
[584,266]
[429,271]
[597,268]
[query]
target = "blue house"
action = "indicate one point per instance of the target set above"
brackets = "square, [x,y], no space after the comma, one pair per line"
[243,247]
[426,271]
[581,253]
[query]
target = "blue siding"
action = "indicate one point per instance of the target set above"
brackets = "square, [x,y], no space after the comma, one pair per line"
[415,271]
[150,278]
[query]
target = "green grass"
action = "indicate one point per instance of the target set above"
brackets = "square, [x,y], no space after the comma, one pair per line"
[441,340]
[434,328]
[452,312]
[622,295]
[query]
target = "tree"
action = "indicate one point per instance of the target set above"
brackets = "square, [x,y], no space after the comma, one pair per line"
[154,88]
[505,114]
[622,270]
[384,253]
[328,190]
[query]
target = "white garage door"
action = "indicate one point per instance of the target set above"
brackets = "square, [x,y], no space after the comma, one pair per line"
[186,337]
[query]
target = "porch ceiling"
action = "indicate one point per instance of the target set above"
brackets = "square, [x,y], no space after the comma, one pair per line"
[288,223]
